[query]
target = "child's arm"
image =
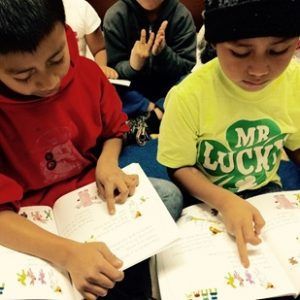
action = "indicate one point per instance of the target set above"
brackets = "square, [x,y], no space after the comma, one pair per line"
[96,44]
[92,267]
[113,184]
[241,219]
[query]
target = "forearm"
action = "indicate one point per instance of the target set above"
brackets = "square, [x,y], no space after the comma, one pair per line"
[125,70]
[118,55]
[201,188]
[96,44]
[22,235]
[101,57]
[111,151]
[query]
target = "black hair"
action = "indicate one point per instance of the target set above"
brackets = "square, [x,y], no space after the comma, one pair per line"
[24,23]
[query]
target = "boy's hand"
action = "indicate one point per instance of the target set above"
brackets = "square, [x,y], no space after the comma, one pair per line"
[141,51]
[243,221]
[114,185]
[94,269]
[160,39]
[110,73]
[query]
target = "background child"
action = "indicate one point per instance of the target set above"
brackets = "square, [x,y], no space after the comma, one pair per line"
[225,126]
[61,127]
[153,44]
[84,20]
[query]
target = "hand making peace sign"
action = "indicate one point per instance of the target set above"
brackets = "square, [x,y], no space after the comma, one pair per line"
[142,48]
[141,51]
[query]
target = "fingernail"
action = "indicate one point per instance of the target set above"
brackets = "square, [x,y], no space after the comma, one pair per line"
[116,262]
[119,261]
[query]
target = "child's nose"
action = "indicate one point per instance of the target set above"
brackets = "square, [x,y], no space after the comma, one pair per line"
[258,67]
[47,81]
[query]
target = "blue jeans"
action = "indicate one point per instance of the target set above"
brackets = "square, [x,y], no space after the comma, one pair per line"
[170,195]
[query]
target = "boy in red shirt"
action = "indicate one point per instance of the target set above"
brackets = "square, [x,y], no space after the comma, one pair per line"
[57,110]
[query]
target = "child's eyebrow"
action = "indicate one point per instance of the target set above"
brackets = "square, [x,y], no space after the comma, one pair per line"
[60,49]
[19,71]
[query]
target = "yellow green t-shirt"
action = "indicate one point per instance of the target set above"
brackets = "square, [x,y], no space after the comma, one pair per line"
[235,137]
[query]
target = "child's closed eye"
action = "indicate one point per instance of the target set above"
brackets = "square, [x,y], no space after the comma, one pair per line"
[281,52]
[239,54]
[24,79]
[57,61]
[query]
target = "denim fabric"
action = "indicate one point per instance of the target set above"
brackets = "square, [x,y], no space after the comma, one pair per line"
[170,195]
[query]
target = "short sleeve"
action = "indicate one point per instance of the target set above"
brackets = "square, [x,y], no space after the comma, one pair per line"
[92,20]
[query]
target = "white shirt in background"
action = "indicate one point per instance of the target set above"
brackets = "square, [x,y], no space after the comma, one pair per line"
[83,19]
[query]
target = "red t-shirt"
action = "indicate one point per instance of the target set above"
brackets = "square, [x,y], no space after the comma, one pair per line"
[46,144]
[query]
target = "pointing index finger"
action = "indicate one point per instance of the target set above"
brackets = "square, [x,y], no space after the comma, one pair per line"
[242,248]
[109,197]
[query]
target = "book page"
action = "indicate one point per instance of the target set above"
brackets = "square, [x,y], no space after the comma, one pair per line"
[140,228]
[281,212]
[205,262]
[28,277]
[41,216]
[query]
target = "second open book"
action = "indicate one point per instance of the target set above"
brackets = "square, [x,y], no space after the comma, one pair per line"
[205,260]
[140,228]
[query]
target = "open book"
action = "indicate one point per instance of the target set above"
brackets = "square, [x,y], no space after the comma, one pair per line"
[140,228]
[206,263]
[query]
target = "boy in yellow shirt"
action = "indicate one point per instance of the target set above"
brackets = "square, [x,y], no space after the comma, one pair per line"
[225,125]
